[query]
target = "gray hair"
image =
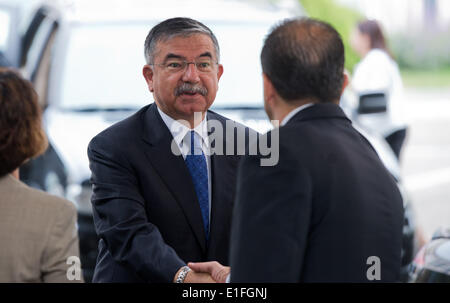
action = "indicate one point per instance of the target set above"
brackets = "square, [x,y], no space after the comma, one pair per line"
[174,27]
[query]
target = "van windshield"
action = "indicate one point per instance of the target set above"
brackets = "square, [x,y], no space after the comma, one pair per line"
[102,67]
[4,29]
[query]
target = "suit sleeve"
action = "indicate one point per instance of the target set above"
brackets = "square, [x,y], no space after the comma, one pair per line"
[62,244]
[270,221]
[120,216]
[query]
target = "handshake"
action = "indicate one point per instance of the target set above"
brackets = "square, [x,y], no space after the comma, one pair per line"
[204,272]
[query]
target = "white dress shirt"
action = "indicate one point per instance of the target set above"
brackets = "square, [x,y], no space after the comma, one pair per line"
[293,112]
[377,72]
[181,134]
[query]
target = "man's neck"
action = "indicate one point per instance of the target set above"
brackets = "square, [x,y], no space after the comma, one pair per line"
[194,120]
[189,121]
[284,110]
[15,174]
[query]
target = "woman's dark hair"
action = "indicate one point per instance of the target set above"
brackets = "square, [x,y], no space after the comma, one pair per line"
[21,133]
[373,30]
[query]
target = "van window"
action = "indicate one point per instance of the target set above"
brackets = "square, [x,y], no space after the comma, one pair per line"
[5,21]
[103,66]
[241,83]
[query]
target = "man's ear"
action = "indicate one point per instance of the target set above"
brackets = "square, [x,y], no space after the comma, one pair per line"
[346,82]
[219,72]
[269,90]
[147,72]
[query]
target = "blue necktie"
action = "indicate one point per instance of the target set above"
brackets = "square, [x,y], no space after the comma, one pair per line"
[196,163]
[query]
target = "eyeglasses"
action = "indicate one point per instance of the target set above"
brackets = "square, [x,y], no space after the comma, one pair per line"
[204,65]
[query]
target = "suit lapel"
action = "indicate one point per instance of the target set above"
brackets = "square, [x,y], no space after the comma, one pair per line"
[172,170]
[222,197]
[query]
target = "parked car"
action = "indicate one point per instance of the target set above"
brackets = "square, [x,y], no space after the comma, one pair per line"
[88,75]
[432,263]
[27,30]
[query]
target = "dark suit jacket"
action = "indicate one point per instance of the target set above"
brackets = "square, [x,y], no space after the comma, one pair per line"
[321,212]
[145,207]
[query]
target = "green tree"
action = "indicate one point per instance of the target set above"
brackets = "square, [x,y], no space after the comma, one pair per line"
[342,18]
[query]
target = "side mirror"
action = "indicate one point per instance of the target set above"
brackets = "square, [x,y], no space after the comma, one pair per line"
[372,103]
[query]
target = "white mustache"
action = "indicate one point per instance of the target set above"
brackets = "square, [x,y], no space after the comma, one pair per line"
[190,88]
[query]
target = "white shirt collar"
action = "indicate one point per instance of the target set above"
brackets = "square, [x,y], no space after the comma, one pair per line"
[179,132]
[293,112]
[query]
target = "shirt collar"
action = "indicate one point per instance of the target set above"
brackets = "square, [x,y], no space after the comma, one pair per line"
[179,130]
[293,112]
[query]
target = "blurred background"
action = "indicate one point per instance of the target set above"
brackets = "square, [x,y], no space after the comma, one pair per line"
[85,60]
[418,33]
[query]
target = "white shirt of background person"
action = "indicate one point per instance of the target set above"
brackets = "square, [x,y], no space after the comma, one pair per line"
[378,72]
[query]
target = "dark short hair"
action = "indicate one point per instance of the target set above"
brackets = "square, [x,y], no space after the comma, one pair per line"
[304,58]
[175,27]
[21,133]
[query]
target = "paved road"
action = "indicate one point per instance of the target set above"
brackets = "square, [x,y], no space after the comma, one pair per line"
[426,158]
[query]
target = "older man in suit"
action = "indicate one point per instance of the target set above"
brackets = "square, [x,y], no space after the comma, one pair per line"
[161,195]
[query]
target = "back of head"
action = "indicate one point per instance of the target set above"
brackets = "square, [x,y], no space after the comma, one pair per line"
[304,59]
[21,133]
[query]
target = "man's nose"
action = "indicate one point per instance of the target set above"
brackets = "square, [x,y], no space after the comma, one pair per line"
[191,73]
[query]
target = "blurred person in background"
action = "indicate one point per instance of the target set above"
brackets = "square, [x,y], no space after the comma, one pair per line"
[378,73]
[37,231]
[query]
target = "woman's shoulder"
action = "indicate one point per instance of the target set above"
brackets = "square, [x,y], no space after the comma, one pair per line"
[376,61]
[379,56]
[24,196]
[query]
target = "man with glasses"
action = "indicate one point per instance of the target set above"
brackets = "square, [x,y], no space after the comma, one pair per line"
[161,196]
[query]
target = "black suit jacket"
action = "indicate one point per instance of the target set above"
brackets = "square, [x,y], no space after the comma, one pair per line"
[319,214]
[145,207]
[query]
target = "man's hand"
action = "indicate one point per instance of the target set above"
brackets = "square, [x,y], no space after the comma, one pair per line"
[198,277]
[217,271]
[195,277]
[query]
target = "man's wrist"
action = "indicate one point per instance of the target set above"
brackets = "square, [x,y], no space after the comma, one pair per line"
[181,274]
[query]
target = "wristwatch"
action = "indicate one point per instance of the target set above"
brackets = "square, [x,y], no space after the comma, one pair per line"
[182,274]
